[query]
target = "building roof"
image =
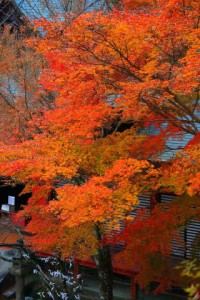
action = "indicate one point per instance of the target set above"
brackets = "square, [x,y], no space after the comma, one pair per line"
[10,13]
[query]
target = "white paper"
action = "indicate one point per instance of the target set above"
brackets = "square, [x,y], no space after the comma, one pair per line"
[5,207]
[11,200]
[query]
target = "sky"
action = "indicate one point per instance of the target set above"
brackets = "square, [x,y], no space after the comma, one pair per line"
[46,8]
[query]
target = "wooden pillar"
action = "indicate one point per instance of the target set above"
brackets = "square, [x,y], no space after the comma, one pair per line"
[134,288]
[154,199]
[76,269]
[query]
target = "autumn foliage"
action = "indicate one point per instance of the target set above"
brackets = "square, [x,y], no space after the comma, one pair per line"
[125,82]
[21,99]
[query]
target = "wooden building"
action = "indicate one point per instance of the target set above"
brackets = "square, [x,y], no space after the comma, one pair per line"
[10,14]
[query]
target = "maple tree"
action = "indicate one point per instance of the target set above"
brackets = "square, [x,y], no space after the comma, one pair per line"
[115,76]
[20,95]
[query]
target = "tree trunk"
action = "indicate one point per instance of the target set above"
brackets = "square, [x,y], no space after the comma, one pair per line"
[104,268]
